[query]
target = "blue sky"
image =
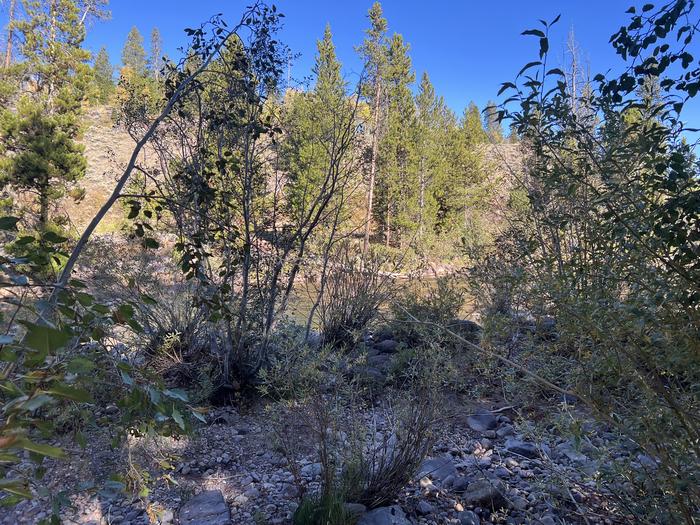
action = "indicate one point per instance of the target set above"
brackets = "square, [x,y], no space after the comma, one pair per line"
[468,47]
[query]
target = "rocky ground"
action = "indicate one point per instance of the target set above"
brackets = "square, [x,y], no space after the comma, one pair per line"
[230,472]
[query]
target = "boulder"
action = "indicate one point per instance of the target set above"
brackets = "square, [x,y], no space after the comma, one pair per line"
[388,346]
[206,508]
[385,516]
[486,493]
[482,421]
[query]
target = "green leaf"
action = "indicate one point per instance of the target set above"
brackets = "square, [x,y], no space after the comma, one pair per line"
[80,364]
[150,242]
[36,402]
[85,298]
[44,339]
[8,223]
[43,450]
[16,487]
[177,417]
[199,416]
[506,85]
[26,239]
[533,32]
[528,66]
[176,393]
[75,394]
[54,238]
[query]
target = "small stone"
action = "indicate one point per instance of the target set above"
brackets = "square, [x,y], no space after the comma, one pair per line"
[437,469]
[252,492]
[206,508]
[426,483]
[505,431]
[424,508]
[519,503]
[468,517]
[485,492]
[448,482]
[385,516]
[460,484]
[522,448]
[310,471]
[502,472]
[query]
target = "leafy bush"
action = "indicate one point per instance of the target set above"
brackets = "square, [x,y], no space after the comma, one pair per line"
[603,246]
[179,342]
[351,296]
[436,303]
[295,368]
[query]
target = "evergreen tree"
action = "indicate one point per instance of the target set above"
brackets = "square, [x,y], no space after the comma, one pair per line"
[104,75]
[155,60]
[133,54]
[374,53]
[41,155]
[330,85]
[314,121]
[397,184]
[473,128]
[426,147]
[464,195]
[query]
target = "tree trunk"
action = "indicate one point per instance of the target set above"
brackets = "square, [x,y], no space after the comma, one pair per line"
[421,200]
[373,167]
[387,226]
[10,33]
[43,206]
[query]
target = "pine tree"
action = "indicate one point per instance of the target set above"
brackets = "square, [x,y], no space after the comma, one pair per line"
[462,196]
[473,128]
[330,85]
[314,119]
[374,53]
[434,124]
[155,60]
[104,75]
[133,54]
[396,185]
[426,106]
[38,137]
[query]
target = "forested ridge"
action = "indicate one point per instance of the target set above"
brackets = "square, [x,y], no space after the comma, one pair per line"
[230,297]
